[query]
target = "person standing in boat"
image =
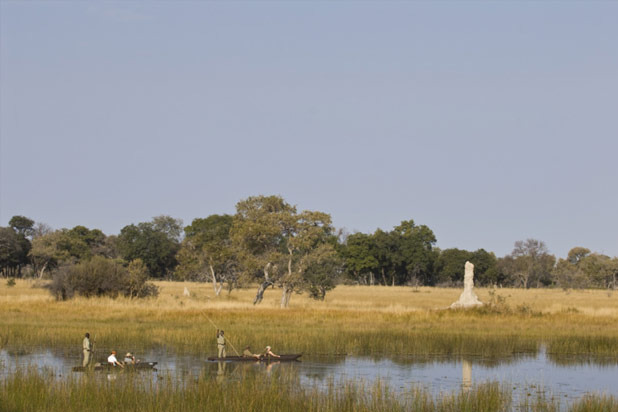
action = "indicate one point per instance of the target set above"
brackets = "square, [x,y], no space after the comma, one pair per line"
[87,349]
[268,353]
[221,344]
[111,359]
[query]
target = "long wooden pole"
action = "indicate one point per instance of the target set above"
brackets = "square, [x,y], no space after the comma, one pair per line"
[92,361]
[226,339]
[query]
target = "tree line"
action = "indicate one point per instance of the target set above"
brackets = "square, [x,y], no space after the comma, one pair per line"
[270,243]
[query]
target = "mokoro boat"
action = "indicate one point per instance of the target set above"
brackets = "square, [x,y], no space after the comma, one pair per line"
[106,367]
[283,358]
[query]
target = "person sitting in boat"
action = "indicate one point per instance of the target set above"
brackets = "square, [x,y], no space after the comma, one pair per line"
[268,353]
[248,354]
[129,359]
[111,359]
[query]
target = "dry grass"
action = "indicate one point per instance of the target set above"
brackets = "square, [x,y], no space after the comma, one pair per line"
[352,319]
[356,298]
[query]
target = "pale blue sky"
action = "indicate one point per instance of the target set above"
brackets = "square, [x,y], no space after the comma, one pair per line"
[490,122]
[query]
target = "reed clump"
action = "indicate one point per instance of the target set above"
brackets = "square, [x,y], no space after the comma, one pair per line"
[32,390]
[596,403]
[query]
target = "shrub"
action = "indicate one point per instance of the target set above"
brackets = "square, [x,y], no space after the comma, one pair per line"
[100,276]
[137,287]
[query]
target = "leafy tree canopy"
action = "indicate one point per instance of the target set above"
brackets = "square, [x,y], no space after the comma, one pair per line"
[154,243]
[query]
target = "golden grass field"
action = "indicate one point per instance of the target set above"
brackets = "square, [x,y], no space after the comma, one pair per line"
[366,320]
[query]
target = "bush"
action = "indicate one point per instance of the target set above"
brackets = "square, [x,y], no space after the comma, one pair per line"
[137,287]
[100,276]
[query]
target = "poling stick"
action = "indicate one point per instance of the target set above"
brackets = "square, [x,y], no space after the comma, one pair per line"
[226,339]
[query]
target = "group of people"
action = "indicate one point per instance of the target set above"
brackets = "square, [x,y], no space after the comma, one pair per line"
[87,347]
[221,346]
[129,359]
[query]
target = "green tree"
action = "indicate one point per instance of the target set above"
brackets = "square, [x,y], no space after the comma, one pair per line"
[22,225]
[274,242]
[387,252]
[257,235]
[11,251]
[600,270]
[403,255]
[568,272]
[304,233]
[416,252]
[530,264]
[321,269]
[485,268]
[154,244]
[358,255]
[49,251]
[15,245]
[577,254]
[168,225]
[450,265]
[83,243]
[207,249]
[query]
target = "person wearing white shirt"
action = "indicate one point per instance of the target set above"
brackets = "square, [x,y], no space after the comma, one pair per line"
[111,359]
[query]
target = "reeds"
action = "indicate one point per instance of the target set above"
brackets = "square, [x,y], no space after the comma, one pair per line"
[375,321]
[33,390]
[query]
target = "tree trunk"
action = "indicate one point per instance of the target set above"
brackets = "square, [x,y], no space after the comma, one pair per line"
[287,287]
[42,270]
[267,282]
[384,277]
[214,281]
[286,295]
[523,279]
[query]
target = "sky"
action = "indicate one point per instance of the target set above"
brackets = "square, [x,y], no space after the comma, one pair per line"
[489,122]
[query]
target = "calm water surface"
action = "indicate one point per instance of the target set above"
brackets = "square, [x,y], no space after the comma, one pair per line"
[567,377]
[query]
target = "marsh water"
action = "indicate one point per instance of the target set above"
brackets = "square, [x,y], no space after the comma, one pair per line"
[563,377]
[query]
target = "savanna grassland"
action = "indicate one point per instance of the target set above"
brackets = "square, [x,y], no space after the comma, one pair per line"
[357,320]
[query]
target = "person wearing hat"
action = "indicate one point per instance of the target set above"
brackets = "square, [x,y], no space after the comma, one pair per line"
[221,344]
[129,359]
[111,359]
[87,349]
[268,353]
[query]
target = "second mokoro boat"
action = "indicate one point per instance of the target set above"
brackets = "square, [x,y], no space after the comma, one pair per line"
[283,358]
[106,367]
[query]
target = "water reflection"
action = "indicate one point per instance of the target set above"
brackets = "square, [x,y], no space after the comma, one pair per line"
[582,359]
[221,371]
[466,375]
[570,376]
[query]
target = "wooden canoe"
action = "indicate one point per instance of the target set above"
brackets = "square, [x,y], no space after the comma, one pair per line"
[106,367]
[283,358]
